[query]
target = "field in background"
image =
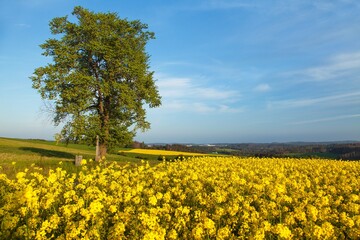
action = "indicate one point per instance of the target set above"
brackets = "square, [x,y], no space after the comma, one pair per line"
[161,152]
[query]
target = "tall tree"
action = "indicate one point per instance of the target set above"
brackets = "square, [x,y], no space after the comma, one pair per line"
[99,80]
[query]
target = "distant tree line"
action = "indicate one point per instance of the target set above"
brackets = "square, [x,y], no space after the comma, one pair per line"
[345,151]
[176,147]
[348,151]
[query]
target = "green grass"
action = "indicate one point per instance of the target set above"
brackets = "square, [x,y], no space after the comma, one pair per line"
[47,155]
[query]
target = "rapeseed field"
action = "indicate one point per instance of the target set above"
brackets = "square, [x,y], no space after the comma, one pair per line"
[198,198]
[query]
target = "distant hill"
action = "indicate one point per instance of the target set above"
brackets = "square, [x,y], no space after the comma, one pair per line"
[346,150]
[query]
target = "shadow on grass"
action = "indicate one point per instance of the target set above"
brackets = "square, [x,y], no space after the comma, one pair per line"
[48,153]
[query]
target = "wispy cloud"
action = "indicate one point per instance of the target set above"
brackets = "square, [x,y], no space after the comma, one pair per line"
[326,119]
[199,107]
[226,109]
[338,66]
[185,87]
[334,5]
[214,68]
[340,99]
[277,6]
[264,87]
[185,94]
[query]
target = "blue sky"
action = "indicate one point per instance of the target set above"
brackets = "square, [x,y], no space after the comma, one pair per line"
[228,71]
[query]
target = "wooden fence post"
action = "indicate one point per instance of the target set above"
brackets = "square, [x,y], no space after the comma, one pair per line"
[78,159]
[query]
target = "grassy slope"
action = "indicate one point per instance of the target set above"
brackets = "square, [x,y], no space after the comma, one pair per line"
[47,154]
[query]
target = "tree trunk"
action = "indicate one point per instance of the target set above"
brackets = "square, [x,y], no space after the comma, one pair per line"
[105,127]
[103,145]
[102,150]
[97,153]
[103,111]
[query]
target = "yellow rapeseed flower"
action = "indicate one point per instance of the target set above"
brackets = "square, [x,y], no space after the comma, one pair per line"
[198,198]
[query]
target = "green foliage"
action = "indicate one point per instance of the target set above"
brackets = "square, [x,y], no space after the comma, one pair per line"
[99,79]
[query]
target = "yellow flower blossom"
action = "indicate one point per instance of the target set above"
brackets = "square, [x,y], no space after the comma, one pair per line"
[223,233]
[198,232]
[198,198]
[172,234]
[152,200]
[283,231]
[113,208]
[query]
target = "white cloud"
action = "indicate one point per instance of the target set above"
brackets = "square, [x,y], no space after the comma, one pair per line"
[338,66]
[262,88]
[227,109]
[174,82]
[326,5]
[327,119]
[340,99]
[215,94]
[199,107]
[174,105]
[183,94]
[277,7]
[173,88]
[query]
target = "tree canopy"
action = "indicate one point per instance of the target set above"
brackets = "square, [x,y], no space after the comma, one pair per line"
[99,79]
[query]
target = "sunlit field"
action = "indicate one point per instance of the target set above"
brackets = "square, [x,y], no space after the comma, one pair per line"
[47,155]
[162,152]
[198,198]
